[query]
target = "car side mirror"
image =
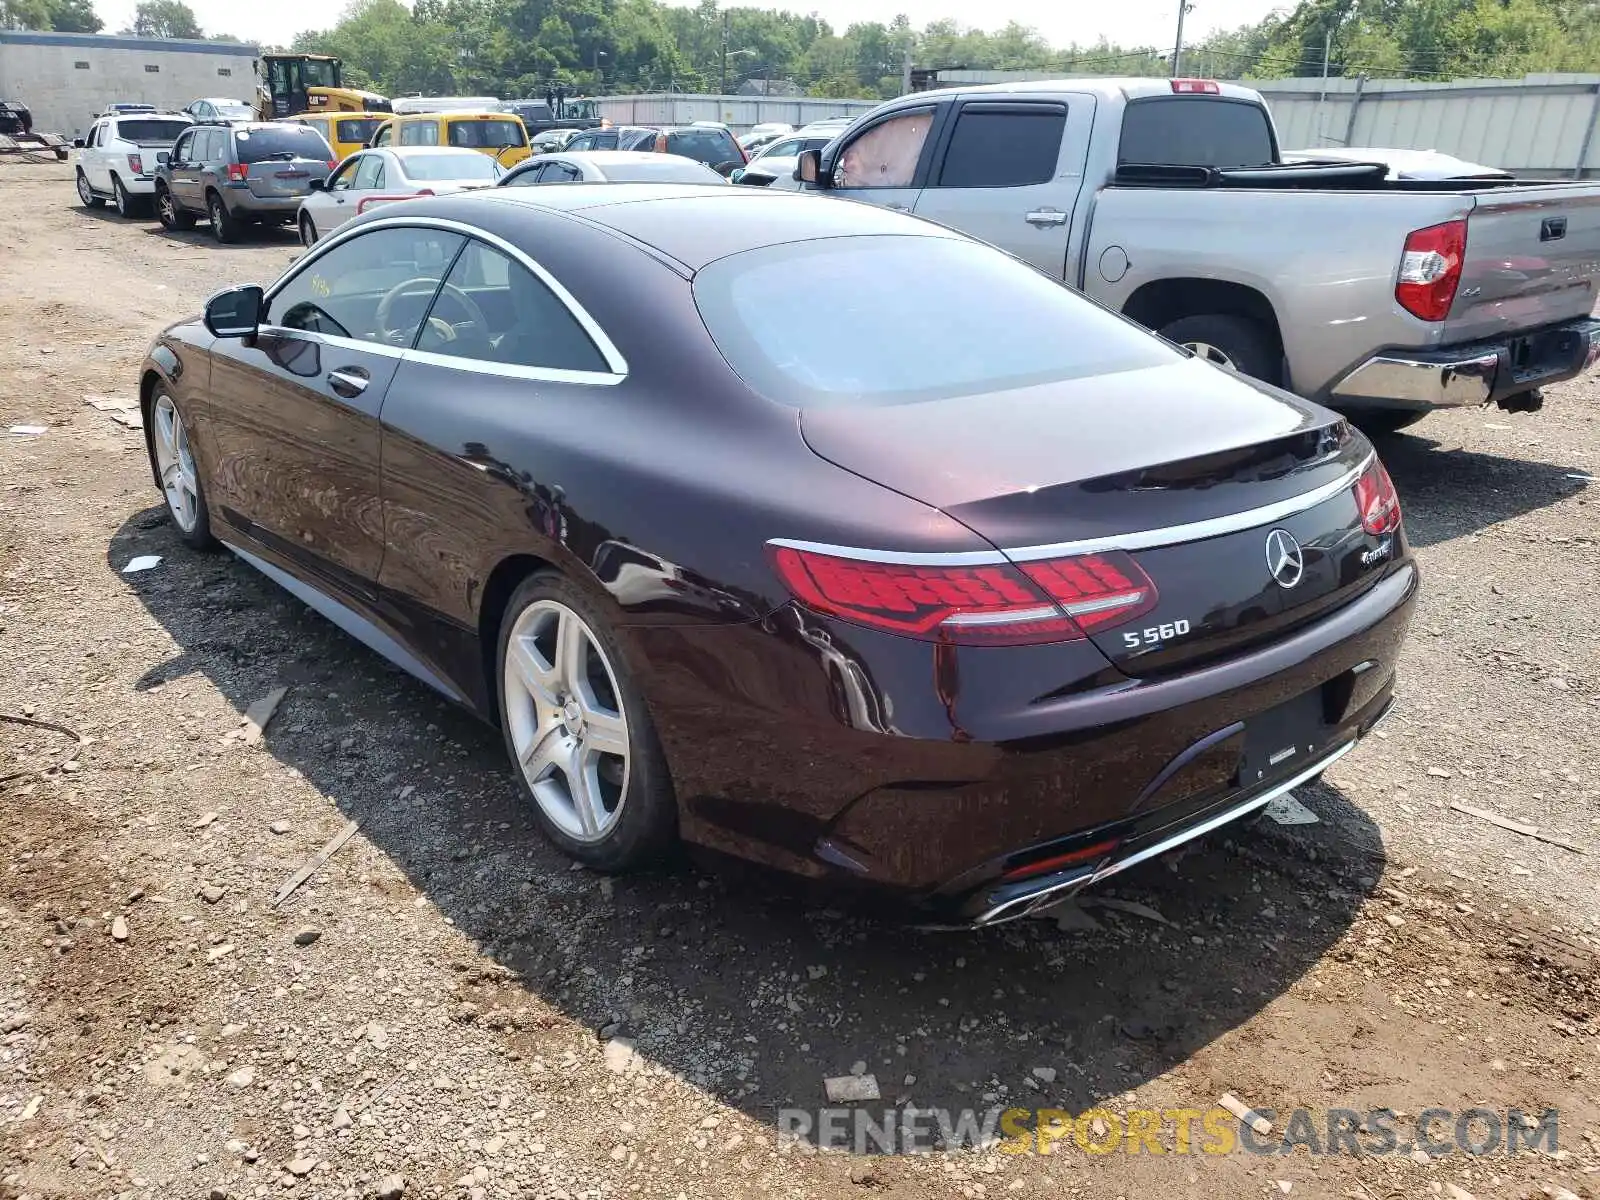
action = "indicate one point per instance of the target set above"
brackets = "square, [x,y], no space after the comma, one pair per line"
[77,143]
[808,168]
[317,185]
[235,313]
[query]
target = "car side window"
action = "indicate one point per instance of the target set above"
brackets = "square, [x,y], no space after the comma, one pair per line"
[995,146]
[384,136]
[210,142]
[420,133]
[180,149]
[525,178]
[584,141]
[342,179]
[783,149]
[374,288]
[886,155]
[370,174]
[511,317]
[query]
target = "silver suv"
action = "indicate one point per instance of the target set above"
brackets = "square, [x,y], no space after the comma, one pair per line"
[231,175]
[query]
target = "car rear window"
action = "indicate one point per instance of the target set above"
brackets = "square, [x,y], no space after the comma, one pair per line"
[710,146]
[450,166]
[150,130]
[1191,131]
[281,141]
[487,133]
[888,324]
[357,129]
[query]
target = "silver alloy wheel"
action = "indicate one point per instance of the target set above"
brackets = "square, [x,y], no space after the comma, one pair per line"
[216,217]
[85,193]
[308,231]
[165,209]
[1212,355]
[175,465]
[120,194]
[567,724]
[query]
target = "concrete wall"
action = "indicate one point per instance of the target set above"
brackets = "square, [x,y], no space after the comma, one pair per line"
[65,78]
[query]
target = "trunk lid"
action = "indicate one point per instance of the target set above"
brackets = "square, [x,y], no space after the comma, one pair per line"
[1183,469]
[1532,257]
[284,177]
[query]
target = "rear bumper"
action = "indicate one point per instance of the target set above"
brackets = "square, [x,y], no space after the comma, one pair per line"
[1473,374]
[242,201]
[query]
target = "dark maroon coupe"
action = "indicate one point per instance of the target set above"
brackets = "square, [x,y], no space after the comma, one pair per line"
[800,530]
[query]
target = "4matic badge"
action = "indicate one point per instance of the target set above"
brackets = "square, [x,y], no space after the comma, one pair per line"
[1378,553]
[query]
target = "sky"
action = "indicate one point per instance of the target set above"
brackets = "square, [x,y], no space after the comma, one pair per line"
[1128,22]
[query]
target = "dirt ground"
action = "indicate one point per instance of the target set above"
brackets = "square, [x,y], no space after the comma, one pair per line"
[434,1003]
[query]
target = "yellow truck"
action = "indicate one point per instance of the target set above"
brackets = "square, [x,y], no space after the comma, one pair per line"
[497,134]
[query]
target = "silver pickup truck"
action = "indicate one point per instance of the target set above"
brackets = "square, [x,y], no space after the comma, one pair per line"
[1167,200]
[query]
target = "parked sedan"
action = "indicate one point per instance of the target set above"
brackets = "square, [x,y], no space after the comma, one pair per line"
[610,166]
[375,177]
[967,604]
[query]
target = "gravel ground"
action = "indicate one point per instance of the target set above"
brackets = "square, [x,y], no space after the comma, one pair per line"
[450,1002]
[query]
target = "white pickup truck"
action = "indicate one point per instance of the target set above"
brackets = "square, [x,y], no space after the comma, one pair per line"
[117,161]
[1168,201]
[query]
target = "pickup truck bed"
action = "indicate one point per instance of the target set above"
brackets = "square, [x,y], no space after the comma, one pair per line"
[1166,200]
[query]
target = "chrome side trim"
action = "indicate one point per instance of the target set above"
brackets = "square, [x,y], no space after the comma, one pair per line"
[352,229]
[1021,906]
[481,366]
[352,622]
[1422,383]
[1143,539]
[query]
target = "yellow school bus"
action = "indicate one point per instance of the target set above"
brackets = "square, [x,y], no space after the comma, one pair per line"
[500,135]
[346,132]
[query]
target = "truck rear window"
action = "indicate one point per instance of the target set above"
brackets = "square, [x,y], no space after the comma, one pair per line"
[489,134]
[1194,131]
[152,130]
[709,146]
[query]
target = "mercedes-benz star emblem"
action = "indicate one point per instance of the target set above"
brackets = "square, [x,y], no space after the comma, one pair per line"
[1285,560]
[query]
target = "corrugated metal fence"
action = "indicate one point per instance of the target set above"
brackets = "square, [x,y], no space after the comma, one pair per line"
[1542,126]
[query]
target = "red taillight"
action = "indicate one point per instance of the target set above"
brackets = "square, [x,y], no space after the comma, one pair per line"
[1430,270]
[1377,501]
[136,164]
[1196,87]
[425,192]
[993,604]
[238,172]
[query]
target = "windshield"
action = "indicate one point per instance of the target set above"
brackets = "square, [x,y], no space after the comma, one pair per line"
[710,146]
[1193,131]
[449,166]
[150,130]
[888,325]
[234,112]
[477,133]
[579,110]
[281,141]
[357,129]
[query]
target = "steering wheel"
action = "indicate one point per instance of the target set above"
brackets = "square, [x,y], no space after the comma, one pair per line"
[441,327]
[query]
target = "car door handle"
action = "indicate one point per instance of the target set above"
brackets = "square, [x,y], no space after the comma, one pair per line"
[1044,218]
[349,381]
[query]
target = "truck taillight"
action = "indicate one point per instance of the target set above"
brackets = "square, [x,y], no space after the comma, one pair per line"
[1377,501]
[136,164]
[1195,87]
[1430,270]
[997,604]
[238,172]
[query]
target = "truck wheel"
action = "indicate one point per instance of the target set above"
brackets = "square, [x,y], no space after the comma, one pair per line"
[124,202]
[85,193]
[1379,421]
[1237,343]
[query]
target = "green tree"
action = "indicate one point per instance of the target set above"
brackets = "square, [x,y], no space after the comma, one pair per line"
[74,16]
[165,19]
[25,14]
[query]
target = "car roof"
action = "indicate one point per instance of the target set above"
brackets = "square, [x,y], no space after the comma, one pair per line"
[217,100]
[431,151]
[695,223]
[452,113]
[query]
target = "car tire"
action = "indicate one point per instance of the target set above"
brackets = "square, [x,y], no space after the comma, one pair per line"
[168,212]
[172,462]
[125,204]
[1380,422]
[308,231]
[86,193]
[623,814]
[224,226]
[1237,343]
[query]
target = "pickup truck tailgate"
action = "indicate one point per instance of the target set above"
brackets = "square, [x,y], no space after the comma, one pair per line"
[1533,257]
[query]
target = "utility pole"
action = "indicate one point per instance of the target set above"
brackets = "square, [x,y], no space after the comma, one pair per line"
[1322,96]
[1177,46]
[724,90]
[905,67]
